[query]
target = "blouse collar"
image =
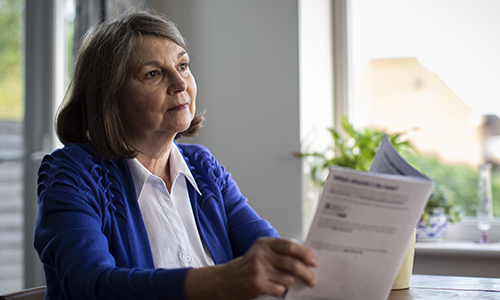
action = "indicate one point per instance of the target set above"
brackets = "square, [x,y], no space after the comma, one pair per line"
[177,166]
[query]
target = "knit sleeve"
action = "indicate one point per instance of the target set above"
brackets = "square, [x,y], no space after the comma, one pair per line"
[223,206]
[245,225]
[86,236]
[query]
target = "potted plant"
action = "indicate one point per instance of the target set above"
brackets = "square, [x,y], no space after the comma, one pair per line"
[357,151]
[437,214]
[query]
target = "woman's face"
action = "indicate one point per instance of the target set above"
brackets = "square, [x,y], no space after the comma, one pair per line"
[158,99]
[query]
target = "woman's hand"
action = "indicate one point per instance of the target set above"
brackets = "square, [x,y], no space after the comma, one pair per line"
[268,268]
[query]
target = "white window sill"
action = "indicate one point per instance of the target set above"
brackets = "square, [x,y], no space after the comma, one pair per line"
[458,248]
[466,230]
[461,239]
[458,254]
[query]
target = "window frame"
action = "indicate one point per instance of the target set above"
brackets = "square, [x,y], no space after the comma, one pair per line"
[40,87]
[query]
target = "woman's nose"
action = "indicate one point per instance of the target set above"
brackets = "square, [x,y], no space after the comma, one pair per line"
[176,84]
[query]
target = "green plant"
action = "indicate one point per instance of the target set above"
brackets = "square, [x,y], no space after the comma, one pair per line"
[355,151]
[11,60]
[441,198]
[460,179]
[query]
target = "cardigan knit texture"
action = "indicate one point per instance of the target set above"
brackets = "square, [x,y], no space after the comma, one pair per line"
[91,238]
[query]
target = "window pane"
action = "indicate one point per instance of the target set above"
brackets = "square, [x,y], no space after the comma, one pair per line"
[69,21]
[11,132]
[11,145]
[430,68]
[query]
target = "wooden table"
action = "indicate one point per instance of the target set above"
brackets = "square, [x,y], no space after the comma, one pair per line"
[431,287]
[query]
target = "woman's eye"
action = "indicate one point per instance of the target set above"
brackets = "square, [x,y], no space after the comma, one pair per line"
[184,66]
[152,74]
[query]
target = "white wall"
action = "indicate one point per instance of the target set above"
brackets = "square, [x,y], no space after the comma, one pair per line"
[244,56]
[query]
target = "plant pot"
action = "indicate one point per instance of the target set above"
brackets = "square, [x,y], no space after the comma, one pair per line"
[402,281]
[435,230]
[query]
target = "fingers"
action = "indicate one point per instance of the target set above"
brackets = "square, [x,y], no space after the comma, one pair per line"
[289,260]
[276,283]
[290,248]
[292,267]
[268,268]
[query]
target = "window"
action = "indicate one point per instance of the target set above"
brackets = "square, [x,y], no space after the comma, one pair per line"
[17,185]
[315,48]
[11,144]
[430,68]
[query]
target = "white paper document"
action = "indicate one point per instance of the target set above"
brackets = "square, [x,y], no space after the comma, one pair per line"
[362,227]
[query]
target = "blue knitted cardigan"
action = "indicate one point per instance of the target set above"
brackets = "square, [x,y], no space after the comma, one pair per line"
[91,238]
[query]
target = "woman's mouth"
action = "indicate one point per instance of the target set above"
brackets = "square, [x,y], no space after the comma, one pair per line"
[179,107]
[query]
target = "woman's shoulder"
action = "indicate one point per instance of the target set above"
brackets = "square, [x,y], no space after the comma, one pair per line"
[75,150]
[199,155]
[73,155]
[77,164]
[201,162]
[195,153]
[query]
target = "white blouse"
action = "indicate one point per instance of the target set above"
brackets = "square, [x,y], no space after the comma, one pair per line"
[172,232]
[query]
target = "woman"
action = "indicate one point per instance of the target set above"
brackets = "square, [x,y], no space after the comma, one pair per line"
[127,213]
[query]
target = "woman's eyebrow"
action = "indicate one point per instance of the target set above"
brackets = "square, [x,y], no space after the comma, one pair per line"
[158,63]
[152,63]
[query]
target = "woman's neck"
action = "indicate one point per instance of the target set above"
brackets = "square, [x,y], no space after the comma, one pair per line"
[157,160]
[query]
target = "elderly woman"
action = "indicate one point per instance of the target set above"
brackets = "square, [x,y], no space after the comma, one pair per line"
[126,212]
